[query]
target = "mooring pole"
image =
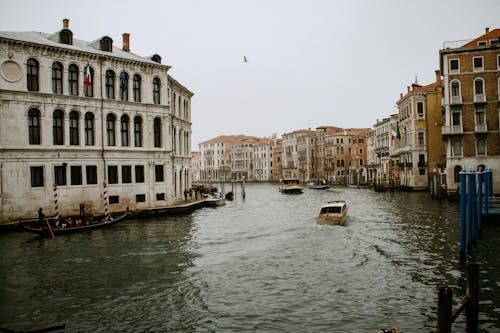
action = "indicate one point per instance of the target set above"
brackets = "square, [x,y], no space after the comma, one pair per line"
[480,178]
[243,187]
[444,310]
[470,208]
[463,211]
[472,306]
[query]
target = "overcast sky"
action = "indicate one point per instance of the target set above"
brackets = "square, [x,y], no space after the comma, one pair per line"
[310,62]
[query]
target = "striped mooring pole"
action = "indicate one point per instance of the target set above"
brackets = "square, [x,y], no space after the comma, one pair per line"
[56,206]
[105,198]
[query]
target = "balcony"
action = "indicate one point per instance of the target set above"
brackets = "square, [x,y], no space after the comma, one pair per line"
[452,130]
[481,128]
[422,164]
[456,100]
[480,98]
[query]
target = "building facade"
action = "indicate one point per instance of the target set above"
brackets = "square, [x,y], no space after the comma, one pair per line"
[471,80]
[87,123]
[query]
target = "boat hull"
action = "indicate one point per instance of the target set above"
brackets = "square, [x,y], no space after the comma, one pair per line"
[33,227]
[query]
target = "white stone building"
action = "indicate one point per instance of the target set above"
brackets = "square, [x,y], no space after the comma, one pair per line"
[263,160]
[88,115]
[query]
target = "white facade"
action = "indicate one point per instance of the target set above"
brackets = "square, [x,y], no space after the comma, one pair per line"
[263,161]
[116,132]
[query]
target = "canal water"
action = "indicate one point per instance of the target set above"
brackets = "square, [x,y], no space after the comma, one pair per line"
[259,264]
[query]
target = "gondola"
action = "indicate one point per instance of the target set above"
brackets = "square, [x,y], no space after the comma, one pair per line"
[89,224]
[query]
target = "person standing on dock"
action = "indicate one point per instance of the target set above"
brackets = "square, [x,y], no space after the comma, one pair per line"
[185,195]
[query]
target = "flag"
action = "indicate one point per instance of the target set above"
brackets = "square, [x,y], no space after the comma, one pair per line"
[393,132]
[398,134]
[123,79]
[88,77]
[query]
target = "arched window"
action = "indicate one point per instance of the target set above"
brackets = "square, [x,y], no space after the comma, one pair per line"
[34,126]
[137,88]
[89,81]
[455,88]
[89,129]
[58,127]
[124,86]
[138,131]
[32,68]
[74,138]
[57,69]
[124,128]
[156,90]
[481,147]
[157,132]
[110,84]
[456,173]
[73,79]
[110,129]
[478,86]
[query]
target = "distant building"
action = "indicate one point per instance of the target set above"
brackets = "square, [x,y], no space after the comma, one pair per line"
[290,154]
[471,96]
[195,166]
[86,116]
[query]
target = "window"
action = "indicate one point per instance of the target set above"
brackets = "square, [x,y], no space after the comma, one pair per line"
[60,174]
[138,131]
[73,80]
[480,118]
[160,196]
[156,90]
[140,198]
[76,175]
[477,63]
[420,109]
[91,171]
[89,129]
[139,173]
[455,88]
[58,127]
[126,174]
[157,132]
[110,84]
[106,44]
[481,147]
[110,129]
[112,174]
[159,173]
[124,86]
[421,138]
[34,126]
[478,86]
[114,199]
[456,118]
[32,68]
[137,88]
[457,147]
[89,81]
[74,138]
[124,126]
[454,66]
[36,176]
[57,69]
[456,173]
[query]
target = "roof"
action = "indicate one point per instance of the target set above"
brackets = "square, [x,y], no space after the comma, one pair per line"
[486,38]
[231,139]
[44,39]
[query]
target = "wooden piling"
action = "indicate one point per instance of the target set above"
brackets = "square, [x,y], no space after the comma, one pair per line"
[444,310]
[472,305]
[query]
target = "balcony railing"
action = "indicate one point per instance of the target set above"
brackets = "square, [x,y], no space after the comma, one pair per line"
[452,130]
[456,100]
[481,128]
[480,98]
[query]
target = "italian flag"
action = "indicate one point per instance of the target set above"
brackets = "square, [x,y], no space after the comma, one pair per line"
[393,132]
[88,78]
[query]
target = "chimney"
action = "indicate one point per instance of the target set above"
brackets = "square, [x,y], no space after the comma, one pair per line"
[126,42]
[487,29]
[408,88]
[65,23]
[438,75]
[400,95]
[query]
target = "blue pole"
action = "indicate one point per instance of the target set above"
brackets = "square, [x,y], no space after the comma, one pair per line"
[472,223]
[463,210]
[487,190]
[480,178]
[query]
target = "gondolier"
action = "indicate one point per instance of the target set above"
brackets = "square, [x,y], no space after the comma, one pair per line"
[41,217]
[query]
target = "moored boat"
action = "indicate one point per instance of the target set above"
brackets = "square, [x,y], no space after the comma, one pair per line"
[71,225]
[317,185]
[211,201]
[291,185]
[333,213]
